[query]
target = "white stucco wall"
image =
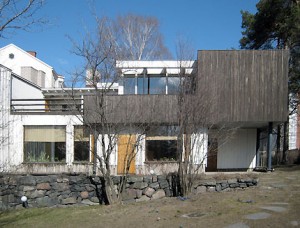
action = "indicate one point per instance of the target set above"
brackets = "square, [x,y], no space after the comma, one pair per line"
[293,126]
[5,130]
[239,151]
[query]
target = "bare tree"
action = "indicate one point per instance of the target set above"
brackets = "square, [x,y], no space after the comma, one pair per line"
[139,38]
[198,136]
[100,52]
[20,15]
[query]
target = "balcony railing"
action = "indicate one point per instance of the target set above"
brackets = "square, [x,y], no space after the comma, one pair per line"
[47,106]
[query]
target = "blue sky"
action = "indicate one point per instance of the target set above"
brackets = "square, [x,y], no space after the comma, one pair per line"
[207,24]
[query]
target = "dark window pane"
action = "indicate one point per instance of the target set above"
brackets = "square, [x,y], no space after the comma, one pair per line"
[81,151]
[81,143]
[161,150]
[45,151]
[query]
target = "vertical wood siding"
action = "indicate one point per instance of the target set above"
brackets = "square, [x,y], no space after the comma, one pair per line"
[244,86]
[231,86]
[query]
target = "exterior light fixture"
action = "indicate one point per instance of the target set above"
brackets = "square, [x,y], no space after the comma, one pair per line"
[24,201]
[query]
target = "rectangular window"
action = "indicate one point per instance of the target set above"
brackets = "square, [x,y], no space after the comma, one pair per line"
[157,84]
[44,143]
[81,144]
[142,85]
[161,143]
[129,84]
[173,84]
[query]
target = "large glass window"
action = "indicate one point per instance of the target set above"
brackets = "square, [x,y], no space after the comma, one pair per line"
[161,143]
[44,143]
[157,84]
[153,84]
[173,85]
[142,85]
[81,144]
[129,84]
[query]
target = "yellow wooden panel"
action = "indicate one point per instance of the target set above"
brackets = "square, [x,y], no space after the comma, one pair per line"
[126,153]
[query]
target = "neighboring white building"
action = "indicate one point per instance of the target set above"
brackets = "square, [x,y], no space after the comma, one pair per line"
[28,66]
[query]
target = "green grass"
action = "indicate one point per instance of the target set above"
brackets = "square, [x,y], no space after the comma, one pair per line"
[48,217]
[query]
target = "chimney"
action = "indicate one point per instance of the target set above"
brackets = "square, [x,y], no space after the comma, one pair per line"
[33,53]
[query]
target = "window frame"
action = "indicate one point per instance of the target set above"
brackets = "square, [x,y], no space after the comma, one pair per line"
[56,147]
[89,147]
[163,138]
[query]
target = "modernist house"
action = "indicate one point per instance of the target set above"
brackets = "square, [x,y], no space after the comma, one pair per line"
[230,97]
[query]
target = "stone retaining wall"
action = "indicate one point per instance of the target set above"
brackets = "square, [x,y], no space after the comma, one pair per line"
[223,185]
[66,189]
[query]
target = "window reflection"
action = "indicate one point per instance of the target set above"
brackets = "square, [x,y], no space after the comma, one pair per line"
[129,85]
[152,84]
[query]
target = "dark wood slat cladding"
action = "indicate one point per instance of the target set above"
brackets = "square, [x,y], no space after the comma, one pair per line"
[132,109]
[244,86]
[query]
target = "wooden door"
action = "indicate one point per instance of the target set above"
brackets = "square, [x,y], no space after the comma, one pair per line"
[126,153]
[212,155]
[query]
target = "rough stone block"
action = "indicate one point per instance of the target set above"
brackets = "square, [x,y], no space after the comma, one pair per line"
[94,199]
[140,185]
[88,202]
[139,193]
[46,202]
[242,185]
[42,179]
[43,186]
[28,188]
[245,180]
[90,187]
[232,181]
[7,199]
[224,186]
[234,185]
[218,187]
[77,188]
[147,179]
[69,200]
[60,186]
[142,199]
[133,179]
[37,194]
[27,180]
[163,184]
[161,178]
[154,185]
[128,194]
[200,189]
[158,194]
[84,195]
[148,192]
[62,180]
